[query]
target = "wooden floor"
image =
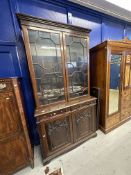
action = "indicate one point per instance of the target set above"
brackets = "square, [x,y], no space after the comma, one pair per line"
[104,155]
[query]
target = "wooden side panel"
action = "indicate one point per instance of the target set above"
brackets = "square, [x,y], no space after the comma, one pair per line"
[9,115]
[13,155]
[126,104]
[98,70]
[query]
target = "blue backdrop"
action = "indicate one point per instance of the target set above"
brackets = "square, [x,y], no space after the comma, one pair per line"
[12,52]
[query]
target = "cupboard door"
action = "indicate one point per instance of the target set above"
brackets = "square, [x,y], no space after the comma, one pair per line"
[83,122]
[13,155]
[76,53]
[9,115]
[126,104]
[56,133]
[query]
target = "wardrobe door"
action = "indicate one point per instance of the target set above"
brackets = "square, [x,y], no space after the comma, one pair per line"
[115,78]
[127,71]
[126,94]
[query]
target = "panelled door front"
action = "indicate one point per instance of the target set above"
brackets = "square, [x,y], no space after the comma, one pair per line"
[56,133]
[9,115]
[83,120]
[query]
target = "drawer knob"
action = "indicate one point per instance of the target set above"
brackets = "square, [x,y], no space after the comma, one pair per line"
[43,136]
[54,113]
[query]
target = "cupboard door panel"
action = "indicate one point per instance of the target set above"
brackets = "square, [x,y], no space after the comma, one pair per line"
[126,104]
[127,75]
[13,155]
[9,115]
[83,122]
[127,72]
[57,133]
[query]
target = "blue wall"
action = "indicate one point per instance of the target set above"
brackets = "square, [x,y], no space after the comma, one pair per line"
[12,53]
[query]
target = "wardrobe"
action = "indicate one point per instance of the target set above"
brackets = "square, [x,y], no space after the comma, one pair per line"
[110,70]
[58,60]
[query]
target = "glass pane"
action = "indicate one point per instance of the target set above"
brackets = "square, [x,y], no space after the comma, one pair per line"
[114,83]
[77,63]
[46,57]
[127,75]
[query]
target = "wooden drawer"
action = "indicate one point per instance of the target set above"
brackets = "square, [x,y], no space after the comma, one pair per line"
[52,114]
[89,103]
[55,113]
[75,107]
[81,105]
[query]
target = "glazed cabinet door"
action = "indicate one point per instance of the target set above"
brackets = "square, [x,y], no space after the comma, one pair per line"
[77,64]
[9,115]
[56,133]
[83,122]
[45,59]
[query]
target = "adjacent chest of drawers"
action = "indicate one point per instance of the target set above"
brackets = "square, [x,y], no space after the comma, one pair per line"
[15,147]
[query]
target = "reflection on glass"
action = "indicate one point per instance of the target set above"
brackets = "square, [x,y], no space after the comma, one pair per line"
[114,83]
[46,57]
[77,65]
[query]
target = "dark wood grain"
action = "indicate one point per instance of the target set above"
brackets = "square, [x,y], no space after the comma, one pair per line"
[15,147]
[100,77]
[68,122]
[62,131]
